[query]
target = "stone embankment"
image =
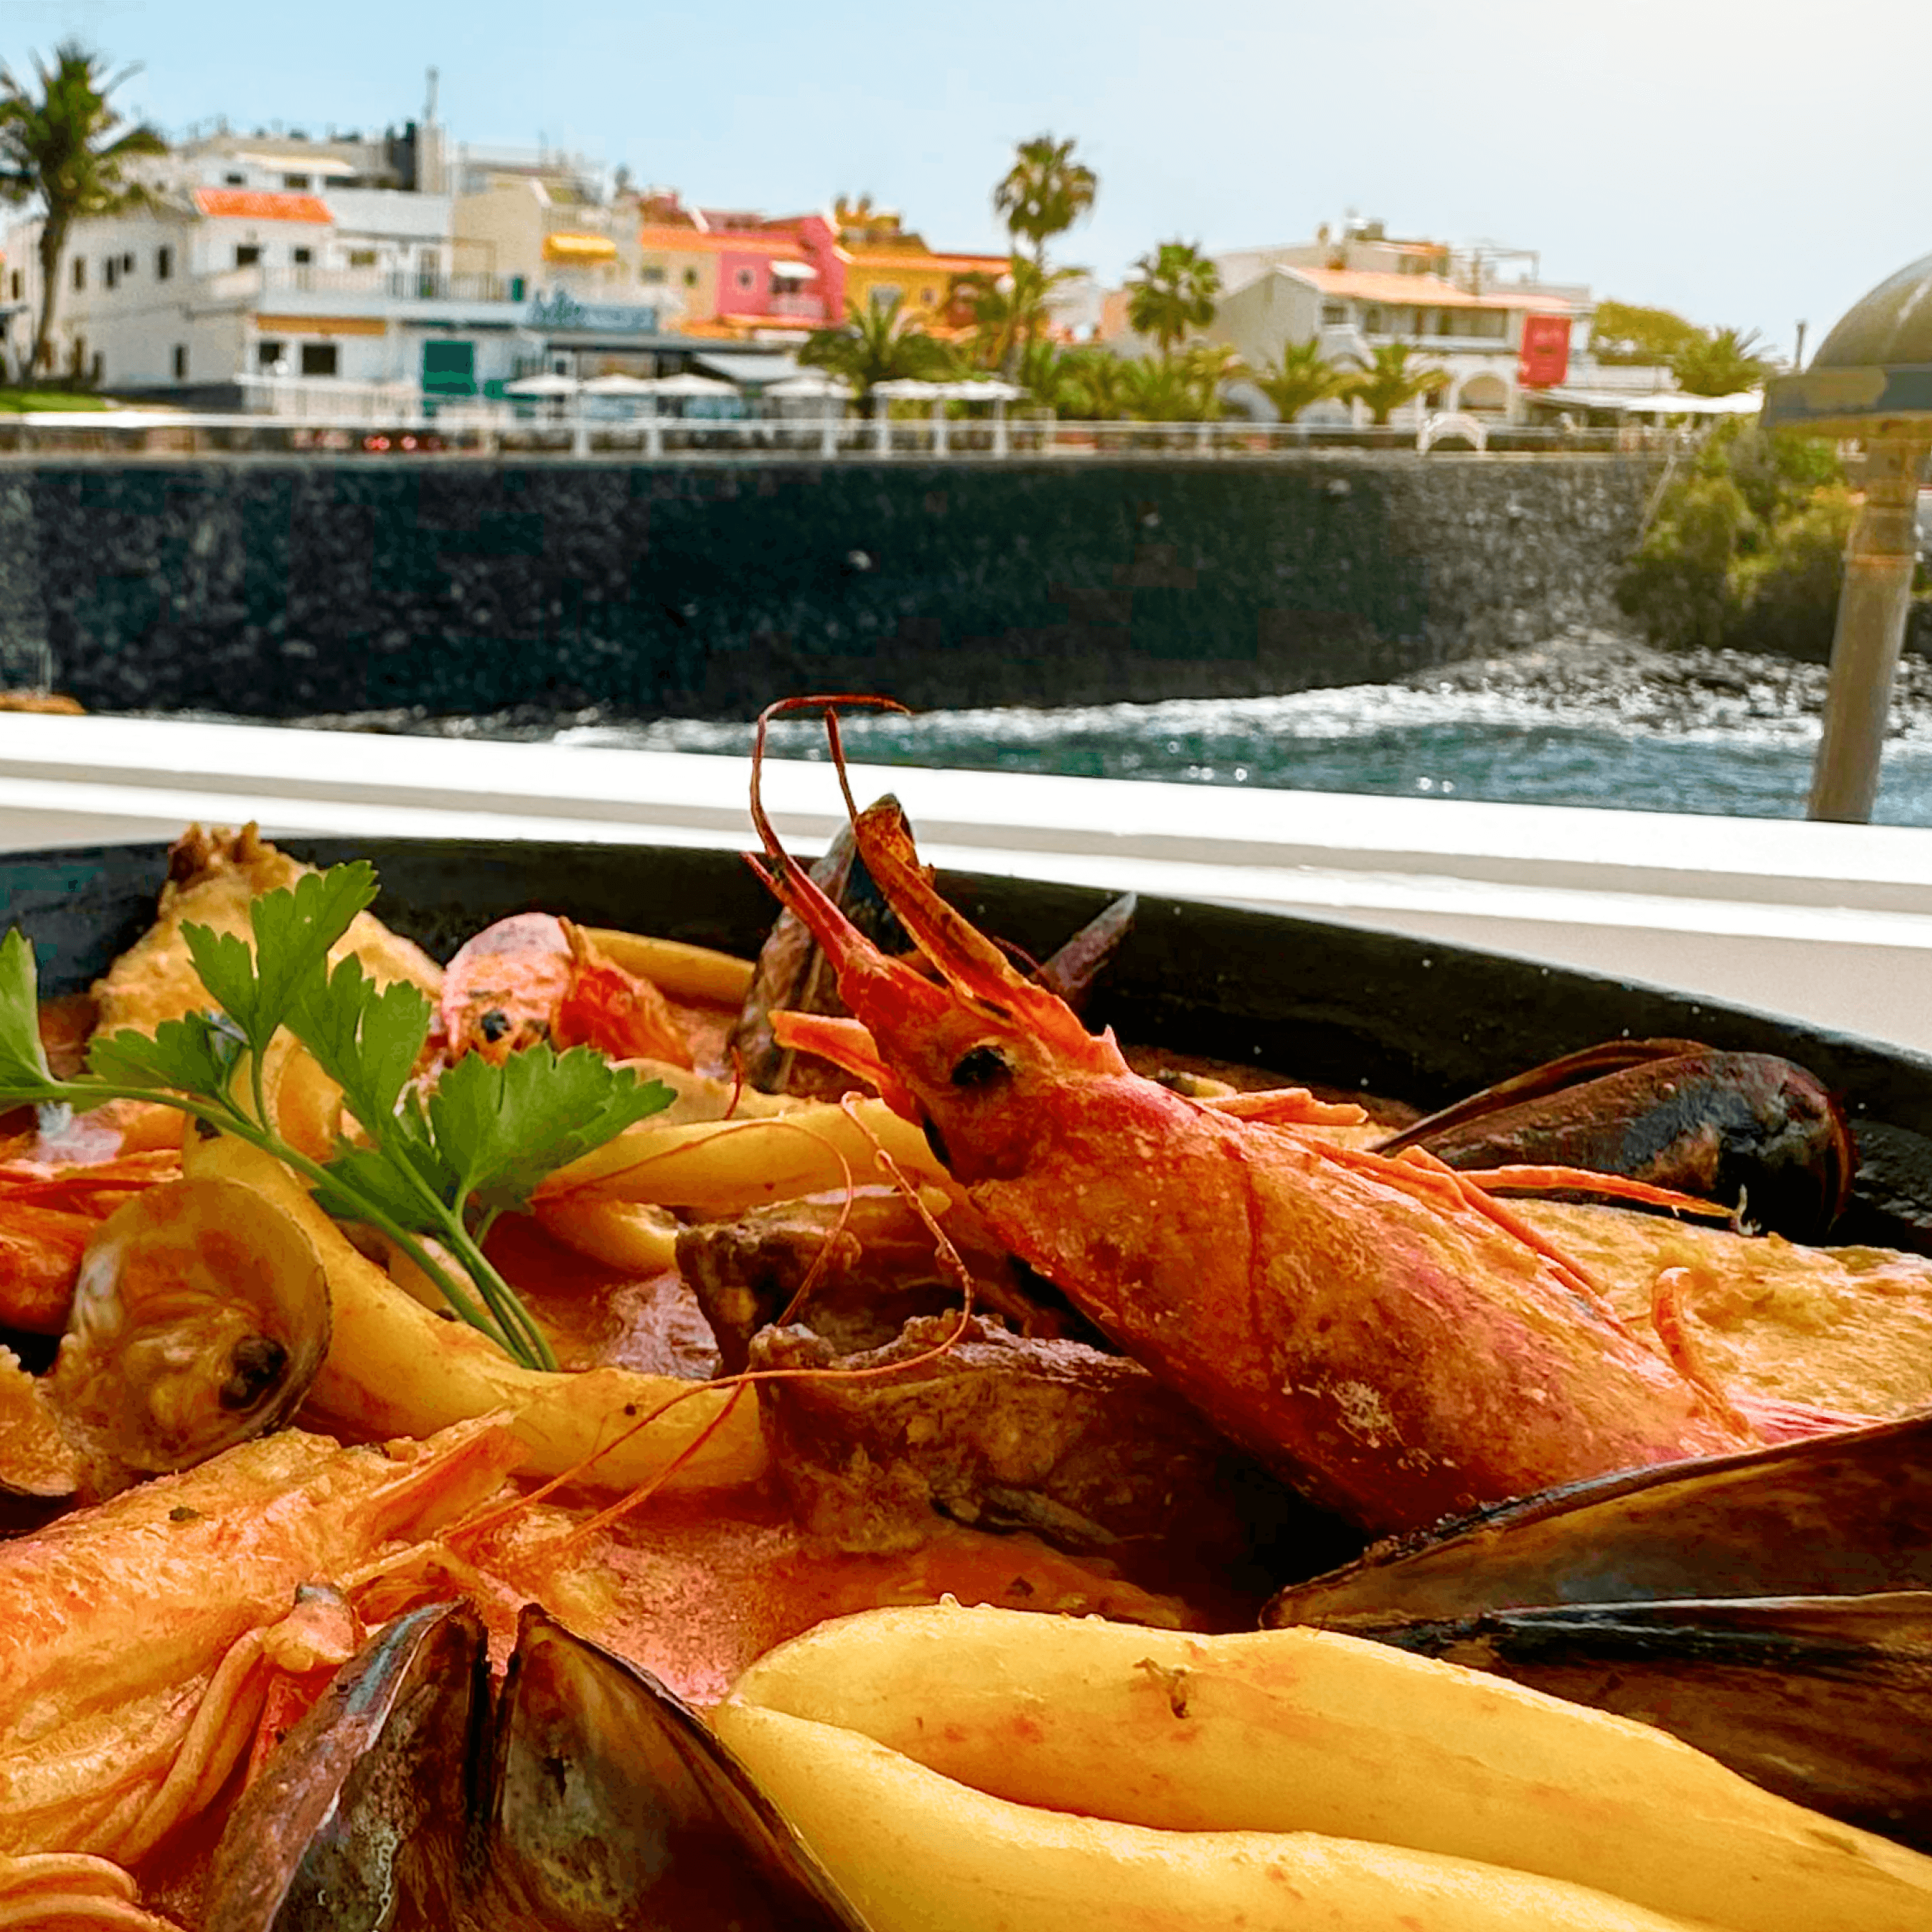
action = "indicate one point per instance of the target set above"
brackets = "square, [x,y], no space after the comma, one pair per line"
[289,586]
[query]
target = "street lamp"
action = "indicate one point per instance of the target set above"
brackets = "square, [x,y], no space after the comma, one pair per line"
[1872,379]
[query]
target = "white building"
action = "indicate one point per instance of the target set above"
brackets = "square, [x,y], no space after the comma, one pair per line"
[264,260]
[1495,340]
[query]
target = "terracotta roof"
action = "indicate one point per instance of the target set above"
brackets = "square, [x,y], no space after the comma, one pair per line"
[249,204]
[923,258]
[714,241]
[1422,291]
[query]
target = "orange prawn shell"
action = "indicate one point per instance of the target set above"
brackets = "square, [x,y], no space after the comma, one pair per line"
[1398,1357]
[111,1620]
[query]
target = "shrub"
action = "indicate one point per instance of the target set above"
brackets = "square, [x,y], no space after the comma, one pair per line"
[1746,549]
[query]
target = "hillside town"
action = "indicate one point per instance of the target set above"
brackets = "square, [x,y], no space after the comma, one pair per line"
[247,271]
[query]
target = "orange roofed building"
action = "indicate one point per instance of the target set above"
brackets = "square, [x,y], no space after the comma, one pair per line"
[745,278]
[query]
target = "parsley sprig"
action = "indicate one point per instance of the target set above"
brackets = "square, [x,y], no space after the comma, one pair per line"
[444,1165]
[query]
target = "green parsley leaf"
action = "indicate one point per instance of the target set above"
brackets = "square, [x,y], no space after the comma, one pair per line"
[294,929]
[360,1178]
[367,1038]
[195,1055]
[503,1129]
[24,1074]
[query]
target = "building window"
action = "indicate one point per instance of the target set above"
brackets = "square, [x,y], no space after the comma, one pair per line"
[304,256]
[247,254]
[884,294]
[1372,318]
[295,181]
[653,273]
[268,354]
[80,271]
[19,285]
[127,263]
[318,358]
[361,258]
[927,297]
[110,270]
[97,370]
[746,278]
[1333,314]
[690,278]
[164,264]
[235,181]
[181,362]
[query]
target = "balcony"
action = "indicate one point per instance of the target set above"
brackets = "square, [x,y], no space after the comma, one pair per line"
[800,307]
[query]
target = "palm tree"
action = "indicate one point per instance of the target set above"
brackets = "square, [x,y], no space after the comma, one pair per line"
[1010,311]
[1158,389]
[63,150]
[1302,377]
[877,346]
[1044,194]
[1174,293]
[1091,386]
[1387,381]
[1207,365]
[1724,363]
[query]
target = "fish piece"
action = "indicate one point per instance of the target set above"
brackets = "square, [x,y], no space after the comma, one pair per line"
[212,877]
[1085,1450]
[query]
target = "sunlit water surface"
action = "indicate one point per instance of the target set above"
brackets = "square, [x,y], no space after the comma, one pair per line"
[1733,735]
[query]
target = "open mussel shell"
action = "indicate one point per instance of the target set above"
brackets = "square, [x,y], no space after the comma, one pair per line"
[1837,1515]
[358,1821]
[1749,1131]
[613,1807]
[1824,1700]
[200,1317]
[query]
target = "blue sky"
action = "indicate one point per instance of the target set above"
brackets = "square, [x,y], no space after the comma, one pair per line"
[1748,165]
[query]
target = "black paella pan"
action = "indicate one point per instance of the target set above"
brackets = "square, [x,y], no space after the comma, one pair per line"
[1417,1020]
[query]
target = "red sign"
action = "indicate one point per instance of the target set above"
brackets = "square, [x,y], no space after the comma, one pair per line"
[1544,359]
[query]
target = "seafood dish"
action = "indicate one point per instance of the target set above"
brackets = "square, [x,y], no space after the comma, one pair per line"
[455,1339]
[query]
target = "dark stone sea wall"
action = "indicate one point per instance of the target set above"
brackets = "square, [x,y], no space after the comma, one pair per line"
[276,587]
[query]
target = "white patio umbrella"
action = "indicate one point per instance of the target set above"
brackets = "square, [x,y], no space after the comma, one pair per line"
[545,382]
[912,389]
[690,385]
[983,389]
[812,382]
[619,384]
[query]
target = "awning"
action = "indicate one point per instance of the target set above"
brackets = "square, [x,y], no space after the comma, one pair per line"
[751,372]
[570,245]
[1650,402]
[794,271]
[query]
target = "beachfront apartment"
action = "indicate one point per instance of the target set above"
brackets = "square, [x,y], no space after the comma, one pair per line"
[1498,338]
[744,277]
[390,265]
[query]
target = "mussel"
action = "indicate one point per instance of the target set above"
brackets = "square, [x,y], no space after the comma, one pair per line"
[1749,1131]
[592,1801]
[1773,1608]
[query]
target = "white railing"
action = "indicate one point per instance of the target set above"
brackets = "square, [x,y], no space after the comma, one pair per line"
[349,417]
[295,400]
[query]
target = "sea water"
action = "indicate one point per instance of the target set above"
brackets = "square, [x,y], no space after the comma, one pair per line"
[1718,733]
